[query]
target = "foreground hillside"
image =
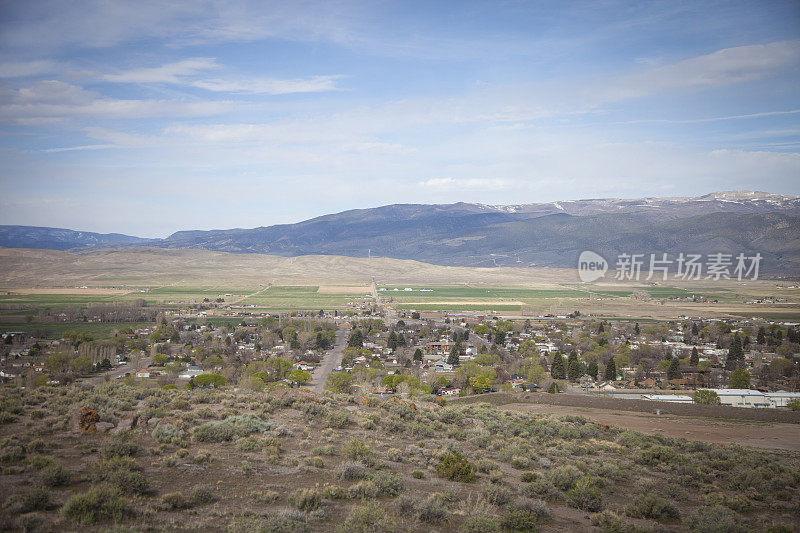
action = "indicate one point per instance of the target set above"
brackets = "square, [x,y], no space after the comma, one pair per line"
[83,457]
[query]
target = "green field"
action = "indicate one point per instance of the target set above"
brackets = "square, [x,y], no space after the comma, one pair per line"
[55,330]
[457,307]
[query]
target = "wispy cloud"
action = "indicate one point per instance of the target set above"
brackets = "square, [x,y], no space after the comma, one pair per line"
[169,73]
[271,86]
[55,100]
[723,67]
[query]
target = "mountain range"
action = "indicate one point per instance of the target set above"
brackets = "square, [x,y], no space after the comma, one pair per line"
[463,234]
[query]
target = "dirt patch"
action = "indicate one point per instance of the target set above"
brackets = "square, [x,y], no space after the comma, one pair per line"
[767,435]
[341,289]
[75,290]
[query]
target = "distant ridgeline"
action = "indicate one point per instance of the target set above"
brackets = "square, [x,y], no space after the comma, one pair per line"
[461,234]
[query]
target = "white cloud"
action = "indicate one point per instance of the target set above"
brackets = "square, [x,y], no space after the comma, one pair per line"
[723,67]
[169,73]
[55,100]
[272,86]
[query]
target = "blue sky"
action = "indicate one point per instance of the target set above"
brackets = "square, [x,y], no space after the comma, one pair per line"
[150,117]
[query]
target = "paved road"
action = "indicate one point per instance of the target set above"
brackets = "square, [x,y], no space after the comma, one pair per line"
[330,361]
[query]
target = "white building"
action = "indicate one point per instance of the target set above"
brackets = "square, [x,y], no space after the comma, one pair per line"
[742,397]
[781,398]
[675,398]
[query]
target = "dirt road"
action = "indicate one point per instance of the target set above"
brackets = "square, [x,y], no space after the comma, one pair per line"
[769,435]
[330,361]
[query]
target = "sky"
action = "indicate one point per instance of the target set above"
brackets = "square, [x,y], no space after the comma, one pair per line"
[150,117]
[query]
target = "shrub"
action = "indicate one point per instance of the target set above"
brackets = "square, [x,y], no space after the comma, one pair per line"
[389,484]
[121,472]
[98,504]
[393,454]
[497,495]
[735,502]
[11,450]
[715,519]
[793,405]
[652,507]
[478,524]
[525,515]
[456,468]
[366,518]
[174,501]
[306,499]
[542,488]
[119,445]
[657,455]
[430,509]
[584,495]
[529,477]
[563,477]
[54,475]
[248,444]
[202,494]
[611,522]
[268,496]
[417,474]
[334,492]
[351,471]
[315,462]
[366,489]
[167,433]
[36,500]
[337,418]
[230,428]
[357,449]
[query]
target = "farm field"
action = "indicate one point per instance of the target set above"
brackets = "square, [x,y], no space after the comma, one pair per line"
[56,330]
[302,297]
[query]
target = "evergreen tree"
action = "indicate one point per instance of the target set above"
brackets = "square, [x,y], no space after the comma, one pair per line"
[453,359]
[735,354]
[557,370]
[636,329]
[761,338]
[499,337]
[694,360]
[674,370]
[418,355]
[592,369]
[391,341]
[600,328]
[356,339]
[611,370]
[573,369]
[695,329]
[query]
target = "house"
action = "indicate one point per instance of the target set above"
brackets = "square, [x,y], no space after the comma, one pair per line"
[143,374]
